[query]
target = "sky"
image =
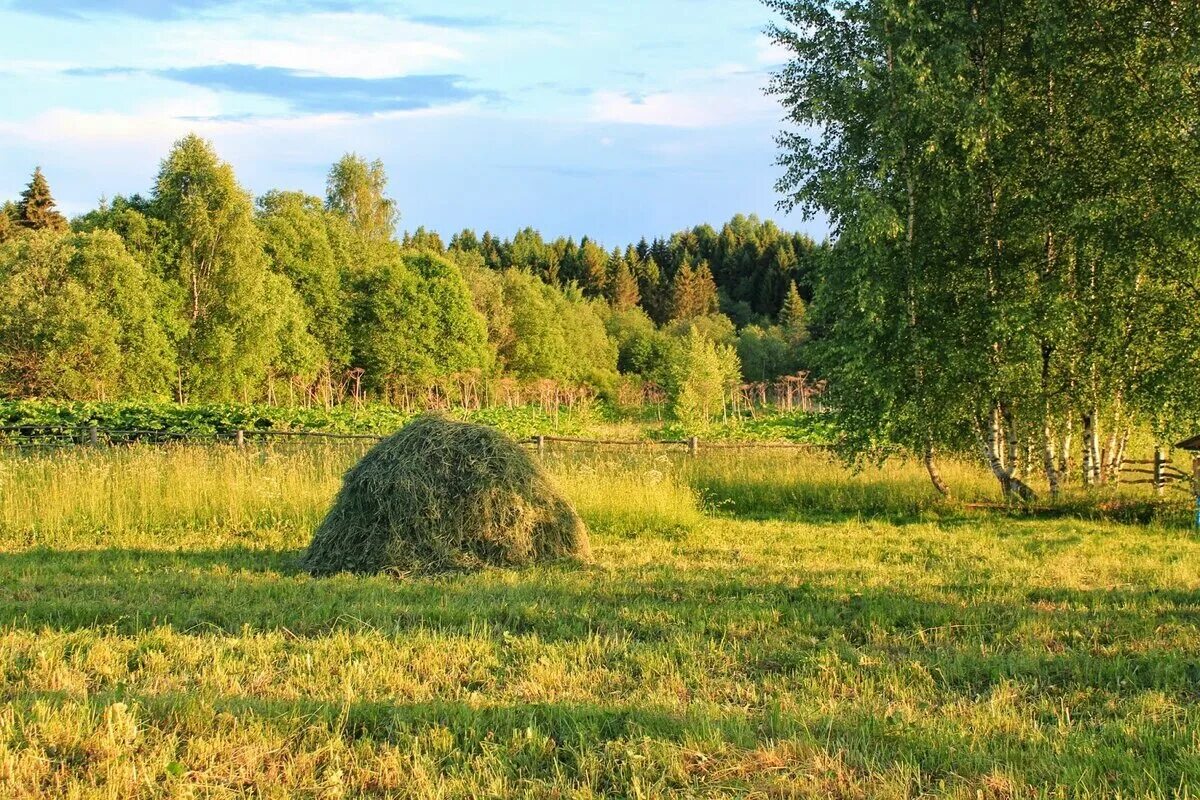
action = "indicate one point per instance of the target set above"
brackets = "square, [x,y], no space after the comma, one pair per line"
[612,118]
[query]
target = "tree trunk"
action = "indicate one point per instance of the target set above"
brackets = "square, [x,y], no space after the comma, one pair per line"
[1012,446]
[935,475]
[1050,459]
[1012,487]
[1091,449]
[1064,453]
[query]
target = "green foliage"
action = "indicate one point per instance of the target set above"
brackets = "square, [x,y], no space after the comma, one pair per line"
[80,318]
[623,286]
[555,334]
[36,210]
[316,298]
[234,311]
[793,317]
[1013,257]
[693,292]
[302,243]
[703,380]
[766,353]
[355,190]
[414,321]
[714,327]
[442,495]
[8,221]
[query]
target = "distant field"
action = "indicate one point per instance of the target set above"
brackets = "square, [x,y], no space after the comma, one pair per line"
[755,625]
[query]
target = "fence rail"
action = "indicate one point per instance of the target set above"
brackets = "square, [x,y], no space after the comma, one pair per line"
[1163,474]
[40,436]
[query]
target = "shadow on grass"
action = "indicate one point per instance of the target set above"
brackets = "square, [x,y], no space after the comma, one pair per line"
[977,634]
[755,501]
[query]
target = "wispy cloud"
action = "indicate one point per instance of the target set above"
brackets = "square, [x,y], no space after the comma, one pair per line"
[315,94]
[323,94]
[693,108]
[160,10]
[464,22]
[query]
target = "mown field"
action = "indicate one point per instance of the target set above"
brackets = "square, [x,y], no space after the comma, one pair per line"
[756,624]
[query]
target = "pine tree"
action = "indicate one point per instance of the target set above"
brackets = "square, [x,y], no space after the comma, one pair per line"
[36,210]
[793,315]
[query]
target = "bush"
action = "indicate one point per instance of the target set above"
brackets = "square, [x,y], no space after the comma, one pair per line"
[445,495]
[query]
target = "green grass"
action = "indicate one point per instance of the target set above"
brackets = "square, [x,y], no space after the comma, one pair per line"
[754,625]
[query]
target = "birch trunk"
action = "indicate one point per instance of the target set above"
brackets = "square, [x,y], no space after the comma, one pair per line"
[1064,451]
[1050,459]
[1118,459]
[1012,487]
[1091,449]
[935,474]
[1108,458]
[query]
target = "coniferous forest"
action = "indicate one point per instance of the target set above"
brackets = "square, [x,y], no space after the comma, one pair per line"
[195,291]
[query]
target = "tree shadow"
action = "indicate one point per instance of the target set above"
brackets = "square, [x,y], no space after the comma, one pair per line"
[977,633]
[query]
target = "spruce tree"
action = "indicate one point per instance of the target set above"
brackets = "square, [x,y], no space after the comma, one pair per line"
[693,292]
[36,210]
[624,286]
[8,221]
[792,317]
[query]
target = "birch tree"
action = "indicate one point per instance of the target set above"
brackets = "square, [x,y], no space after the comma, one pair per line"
[1014,192]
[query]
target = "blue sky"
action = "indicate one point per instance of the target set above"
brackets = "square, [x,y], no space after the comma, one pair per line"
[616,119]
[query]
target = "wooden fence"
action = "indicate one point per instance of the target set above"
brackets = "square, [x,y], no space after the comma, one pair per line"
[1162,473]
[50,436]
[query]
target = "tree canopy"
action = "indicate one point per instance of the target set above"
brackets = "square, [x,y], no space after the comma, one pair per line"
[1014,192]
[196,291]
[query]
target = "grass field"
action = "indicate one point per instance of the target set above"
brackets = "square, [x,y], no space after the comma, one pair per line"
[754,625]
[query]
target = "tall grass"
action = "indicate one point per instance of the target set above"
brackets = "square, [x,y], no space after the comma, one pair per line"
[92,495]
[85,495]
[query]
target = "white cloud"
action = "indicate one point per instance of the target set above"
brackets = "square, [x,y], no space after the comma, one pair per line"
[200,113]
[344,44]
[730,104]
[348,45]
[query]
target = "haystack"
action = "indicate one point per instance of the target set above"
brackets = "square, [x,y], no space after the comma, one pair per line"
[445,495]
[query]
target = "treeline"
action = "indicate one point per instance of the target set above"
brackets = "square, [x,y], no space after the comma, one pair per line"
[1016,194]
[197,292]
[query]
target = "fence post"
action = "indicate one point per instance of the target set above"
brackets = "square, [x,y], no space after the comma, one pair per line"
[93,435]
[1159,463]
[241,438]
[1196,485]
[693,446]
[541,444]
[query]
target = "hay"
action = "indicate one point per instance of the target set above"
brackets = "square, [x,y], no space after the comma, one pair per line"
[444,495]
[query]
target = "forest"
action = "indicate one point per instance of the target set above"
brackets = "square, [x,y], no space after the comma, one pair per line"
[197,292]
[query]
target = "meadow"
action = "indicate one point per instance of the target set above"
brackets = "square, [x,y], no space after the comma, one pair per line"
[755,624]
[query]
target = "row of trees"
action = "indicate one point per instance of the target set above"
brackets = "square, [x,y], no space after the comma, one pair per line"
[196,291]
[1014,188]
